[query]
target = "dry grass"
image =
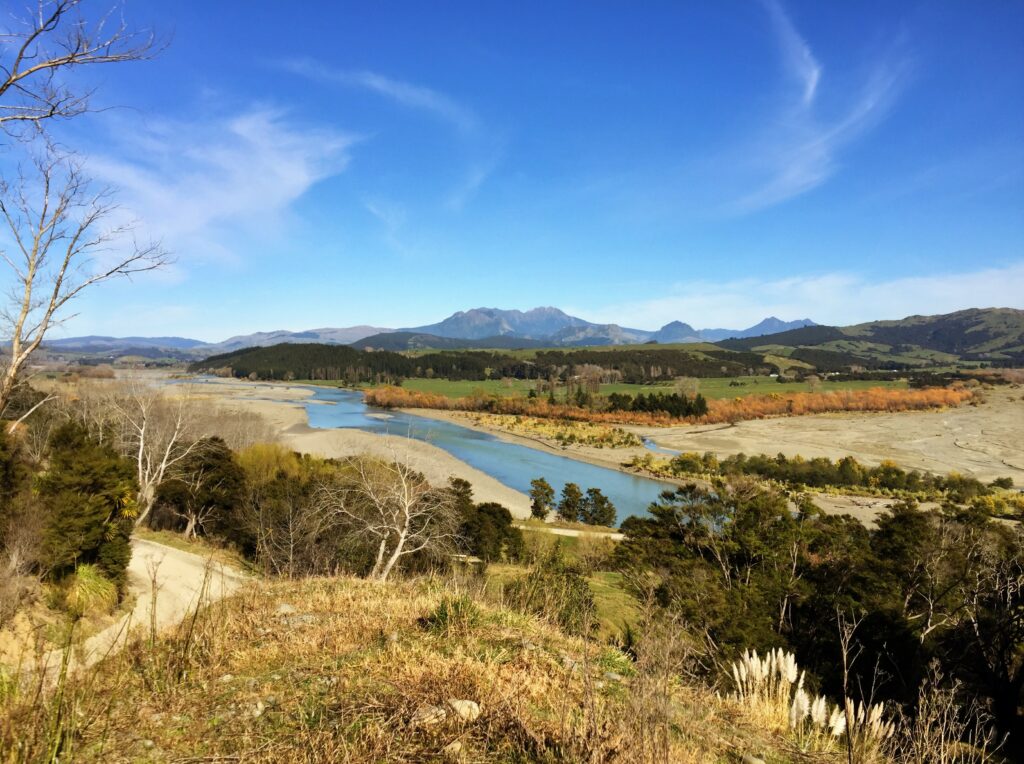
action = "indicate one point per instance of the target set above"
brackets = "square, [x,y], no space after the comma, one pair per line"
[559,433]
[345,670]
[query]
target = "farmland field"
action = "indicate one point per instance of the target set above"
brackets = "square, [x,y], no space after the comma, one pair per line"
[714,387]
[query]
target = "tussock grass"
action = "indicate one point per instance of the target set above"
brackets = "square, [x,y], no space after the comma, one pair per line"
[88,591]
[454,615]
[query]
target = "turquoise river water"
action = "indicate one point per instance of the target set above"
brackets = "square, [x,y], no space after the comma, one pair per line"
[509,463]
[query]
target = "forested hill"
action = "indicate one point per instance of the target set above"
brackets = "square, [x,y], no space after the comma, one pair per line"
[991,335]
[339,362]
[994,335]
[309,361]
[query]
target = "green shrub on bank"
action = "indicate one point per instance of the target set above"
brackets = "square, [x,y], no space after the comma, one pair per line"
[88,499]
[886,478]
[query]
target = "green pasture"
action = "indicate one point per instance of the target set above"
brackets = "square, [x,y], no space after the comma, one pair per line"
[711,387]
[615,607]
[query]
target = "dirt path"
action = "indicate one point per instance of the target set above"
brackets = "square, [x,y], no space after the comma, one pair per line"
[573,532]
[181,580]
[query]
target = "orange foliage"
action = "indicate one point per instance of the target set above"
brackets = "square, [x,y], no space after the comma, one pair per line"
[719,411]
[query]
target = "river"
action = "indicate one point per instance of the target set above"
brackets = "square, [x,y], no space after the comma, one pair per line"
[509,463]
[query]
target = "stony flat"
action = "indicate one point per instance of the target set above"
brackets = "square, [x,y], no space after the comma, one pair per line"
[985,441]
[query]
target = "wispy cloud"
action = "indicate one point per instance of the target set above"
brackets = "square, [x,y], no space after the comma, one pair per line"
[473,179]
[404,93]
[392,217]
[797,53]
[481,148]
[197,184]
[831,298]
[799,150]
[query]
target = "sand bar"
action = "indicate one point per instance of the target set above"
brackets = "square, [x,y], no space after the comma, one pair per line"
[985,441]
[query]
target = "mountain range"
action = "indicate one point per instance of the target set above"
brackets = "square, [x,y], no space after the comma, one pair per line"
[977,334]
[559,328]
[483,327]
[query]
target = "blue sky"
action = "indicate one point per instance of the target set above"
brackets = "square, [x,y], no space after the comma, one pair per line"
[329,164]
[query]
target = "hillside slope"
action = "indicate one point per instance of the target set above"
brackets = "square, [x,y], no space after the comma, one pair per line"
[978,334]
[342,362]
[986,332]
[348,670]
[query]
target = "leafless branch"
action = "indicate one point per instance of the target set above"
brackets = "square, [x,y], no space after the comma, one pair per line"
[43,45]
[55,219]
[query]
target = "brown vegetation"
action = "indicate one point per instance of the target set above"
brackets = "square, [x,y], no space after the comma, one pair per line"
[719,411]
[561,433]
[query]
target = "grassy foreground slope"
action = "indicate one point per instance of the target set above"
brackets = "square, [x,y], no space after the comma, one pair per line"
[348,670]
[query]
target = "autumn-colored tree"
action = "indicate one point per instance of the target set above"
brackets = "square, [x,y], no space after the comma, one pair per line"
[718,411]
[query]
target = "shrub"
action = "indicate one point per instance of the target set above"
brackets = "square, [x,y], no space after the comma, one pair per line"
[594,551]
[557,591]
[88,591]
[454,615]
[87,494]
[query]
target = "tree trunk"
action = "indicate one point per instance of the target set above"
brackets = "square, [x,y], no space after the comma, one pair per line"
[380,558]
[395,554]
[146,497]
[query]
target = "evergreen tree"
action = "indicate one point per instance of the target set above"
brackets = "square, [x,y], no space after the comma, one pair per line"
[487,532]
[571,504]
[598,508]
[87,494]
[620,402]
[13,472]
[542,498]
[462,492]
[206,492]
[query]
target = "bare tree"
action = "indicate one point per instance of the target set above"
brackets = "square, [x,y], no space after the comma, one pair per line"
[240,428]
[992,631]
[941,570]
[292,530]
[687,385]
[44,44]
[850,650]
[196,512]
[61,247]
[395,508]
[157,431]
[54,217]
